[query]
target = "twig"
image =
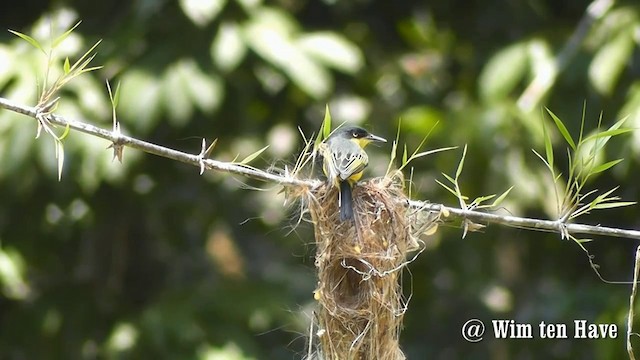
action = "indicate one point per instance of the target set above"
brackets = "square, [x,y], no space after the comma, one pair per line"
[198,160]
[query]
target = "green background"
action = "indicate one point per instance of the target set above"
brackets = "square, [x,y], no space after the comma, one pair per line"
[147,259]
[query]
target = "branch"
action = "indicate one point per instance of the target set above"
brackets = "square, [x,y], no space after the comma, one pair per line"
[158,150]
[199,160]
[527,223]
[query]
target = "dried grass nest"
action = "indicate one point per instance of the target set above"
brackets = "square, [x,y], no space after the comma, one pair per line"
[359,264]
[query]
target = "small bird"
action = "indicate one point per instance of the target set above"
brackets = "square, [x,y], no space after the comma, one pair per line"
[344,161]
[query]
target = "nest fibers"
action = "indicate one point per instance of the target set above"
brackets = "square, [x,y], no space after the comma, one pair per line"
[359,269]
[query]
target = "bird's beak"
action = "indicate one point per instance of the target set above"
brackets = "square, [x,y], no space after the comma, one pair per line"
[376,138]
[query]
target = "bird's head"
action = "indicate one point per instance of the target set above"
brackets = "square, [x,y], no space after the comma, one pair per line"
[361,136]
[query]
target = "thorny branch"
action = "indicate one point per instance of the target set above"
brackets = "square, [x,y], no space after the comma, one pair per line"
[198,160]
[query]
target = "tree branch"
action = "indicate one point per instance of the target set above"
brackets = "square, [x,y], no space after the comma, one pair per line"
[197,160]
[239,169]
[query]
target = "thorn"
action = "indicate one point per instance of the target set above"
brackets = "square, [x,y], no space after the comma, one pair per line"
[202,155]
[118,148]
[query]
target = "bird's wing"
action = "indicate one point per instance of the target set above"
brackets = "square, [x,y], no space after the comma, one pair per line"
[348,163]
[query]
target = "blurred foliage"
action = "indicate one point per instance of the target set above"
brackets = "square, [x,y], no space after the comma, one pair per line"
[146,259]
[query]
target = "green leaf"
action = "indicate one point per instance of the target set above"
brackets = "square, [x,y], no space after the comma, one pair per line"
[605,166]
[60,157]
[503,72]
[28,39]
[610,61]
[563,129]
[66,66]
[114,96]
[611,205]
[429,152]
[326,122]
[543,159]
[461,164]
[480,199]
[202,12]
[250,158]
[271,34]
[404,155]
[500,198]
[333,50]
[64,133]
[608,133]
[228,48]
[62,37]
[548,146]
[451,180]
[447,188]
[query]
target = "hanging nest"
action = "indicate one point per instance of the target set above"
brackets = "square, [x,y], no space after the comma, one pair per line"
[359,266]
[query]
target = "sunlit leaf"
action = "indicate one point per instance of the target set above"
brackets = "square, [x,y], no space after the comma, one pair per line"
[332,50]
[548,146]
[66,67]
[64,133]
[610,61]
[608,133]
[451,180]
[461,164]
[228,48]
[64,35]
[605,166]
[563,129]
[326,122]
[503,72]
[28,39]
[404,155]
[202,12]
[60,157]
[250,158]
[611,205]
[447,188]
[270,33]
[429,152]
[501,198]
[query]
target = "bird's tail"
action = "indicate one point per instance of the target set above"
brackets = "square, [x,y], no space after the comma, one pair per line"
[346,201]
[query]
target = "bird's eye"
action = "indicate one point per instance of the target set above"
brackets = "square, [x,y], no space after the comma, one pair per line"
[354,134]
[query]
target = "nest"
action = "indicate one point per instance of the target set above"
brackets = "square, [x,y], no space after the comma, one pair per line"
[359,266]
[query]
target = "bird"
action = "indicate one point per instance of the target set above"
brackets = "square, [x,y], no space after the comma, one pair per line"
[344,160]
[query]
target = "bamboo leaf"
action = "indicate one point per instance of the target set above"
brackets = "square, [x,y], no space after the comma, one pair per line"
[65,133]
[326,122]
[501,198]
[60,157]
[250,158]
[548,146]
[608,133]
[452,180]
[480,199]
[563,129]
[425,153]
[610,205]
[404,155]
[461,164]
[66,67]
[543,159]
[28,39]
[447,188]
[605,166]
[64,35]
